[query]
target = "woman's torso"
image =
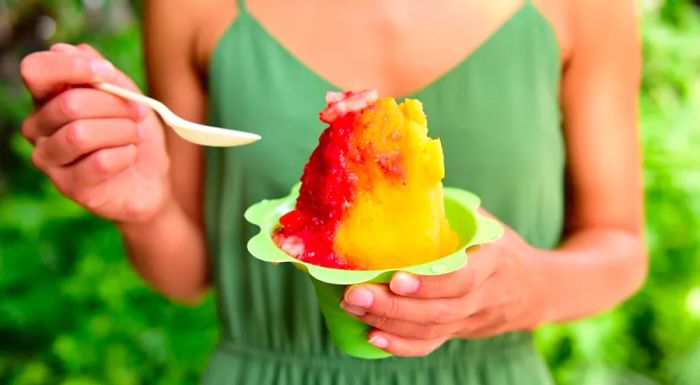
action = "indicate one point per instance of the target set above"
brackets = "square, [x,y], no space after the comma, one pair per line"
[495,110]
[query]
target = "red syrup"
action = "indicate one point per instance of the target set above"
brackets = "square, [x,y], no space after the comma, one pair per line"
[328,185]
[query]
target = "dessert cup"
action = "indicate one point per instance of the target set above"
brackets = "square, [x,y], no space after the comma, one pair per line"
[348,333]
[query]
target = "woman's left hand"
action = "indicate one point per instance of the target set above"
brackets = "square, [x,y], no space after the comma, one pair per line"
[500,289]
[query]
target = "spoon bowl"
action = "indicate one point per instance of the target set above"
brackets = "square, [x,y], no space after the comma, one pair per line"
[190,131]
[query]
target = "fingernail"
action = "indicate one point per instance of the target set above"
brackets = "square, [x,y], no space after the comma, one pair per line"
[101,69]
[63,47]
[379,341]
[354,310]
[359,297]
[403,283]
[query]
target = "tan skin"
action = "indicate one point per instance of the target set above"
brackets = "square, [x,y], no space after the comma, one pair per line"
[109,155]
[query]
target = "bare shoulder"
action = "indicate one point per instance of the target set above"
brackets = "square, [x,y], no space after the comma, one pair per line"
[171,20]
[601,23]
[602,10]
[581,24]
[557,13]
[185,30]
[168,31]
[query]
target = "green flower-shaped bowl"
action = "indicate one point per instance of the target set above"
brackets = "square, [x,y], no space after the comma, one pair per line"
[348,333]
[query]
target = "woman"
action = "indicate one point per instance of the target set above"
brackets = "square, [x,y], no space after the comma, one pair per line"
[535,103]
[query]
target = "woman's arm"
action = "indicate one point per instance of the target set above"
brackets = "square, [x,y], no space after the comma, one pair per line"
[602,259]
[109,155]
[510,285]
[170,250]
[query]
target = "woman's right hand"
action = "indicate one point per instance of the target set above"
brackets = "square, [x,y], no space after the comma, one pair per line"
[103,152]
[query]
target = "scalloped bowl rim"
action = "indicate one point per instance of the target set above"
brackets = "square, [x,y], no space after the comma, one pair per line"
[266,213]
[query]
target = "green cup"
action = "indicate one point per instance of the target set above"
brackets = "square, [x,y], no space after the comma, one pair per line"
[348,333]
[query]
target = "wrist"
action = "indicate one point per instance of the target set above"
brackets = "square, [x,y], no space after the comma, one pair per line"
[557,276]
[167,210]
[542,301]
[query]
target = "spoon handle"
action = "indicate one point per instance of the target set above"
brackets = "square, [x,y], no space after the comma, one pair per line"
[159,107]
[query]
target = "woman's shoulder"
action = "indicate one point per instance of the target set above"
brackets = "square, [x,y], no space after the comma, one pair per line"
[601,16]
[602,28]
[579,24]
[187,30]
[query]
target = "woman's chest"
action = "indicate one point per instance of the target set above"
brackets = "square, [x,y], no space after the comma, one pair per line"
[396,47]
[495,134]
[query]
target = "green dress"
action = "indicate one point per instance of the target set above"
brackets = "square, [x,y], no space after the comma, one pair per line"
[497,114]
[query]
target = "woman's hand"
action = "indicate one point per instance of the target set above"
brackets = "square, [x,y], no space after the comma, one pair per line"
[500,289]
[103,152]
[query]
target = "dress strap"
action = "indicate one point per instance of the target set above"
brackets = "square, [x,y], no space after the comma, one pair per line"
[241,6]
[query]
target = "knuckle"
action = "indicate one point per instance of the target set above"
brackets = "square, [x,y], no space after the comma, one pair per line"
[381,322]
[92,201]
[441,286]
[89,50]
[25,128]
[443,314]
[88,198]
[86,47]
[463,288]
[77,135]
[69,190]
[501,317]
[81,197]
[392,306]
[76,64]
[427,332]
[102,164]
[71,103]
[37,159]
[28,66]
[466,330]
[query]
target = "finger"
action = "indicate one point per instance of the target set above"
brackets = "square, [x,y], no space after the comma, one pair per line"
[76,104]
[412,330]
[82,137]
[88,51]
[486,323]
[495,291]
[47,73]
[380,302]
[481,264]
[63,47]
[451,285]
[405,347]
[120,79]
[101,165]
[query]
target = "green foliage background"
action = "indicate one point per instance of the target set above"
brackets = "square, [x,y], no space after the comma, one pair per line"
[72,312]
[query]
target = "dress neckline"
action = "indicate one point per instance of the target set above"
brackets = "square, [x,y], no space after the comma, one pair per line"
[244,16]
